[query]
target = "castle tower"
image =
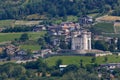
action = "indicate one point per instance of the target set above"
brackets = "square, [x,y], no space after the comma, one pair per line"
[89,40]
[82,41]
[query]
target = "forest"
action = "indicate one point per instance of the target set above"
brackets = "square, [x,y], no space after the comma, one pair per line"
[19,9]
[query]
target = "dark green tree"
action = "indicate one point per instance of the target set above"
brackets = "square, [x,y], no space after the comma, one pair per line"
[112,48]
[105,58]
[41,42]
[101,45]
[58,62]
[81,63]
[93,59]
[24,37]
[80,74]
[118,44]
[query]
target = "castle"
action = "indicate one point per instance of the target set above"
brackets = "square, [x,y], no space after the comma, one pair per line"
[82,41]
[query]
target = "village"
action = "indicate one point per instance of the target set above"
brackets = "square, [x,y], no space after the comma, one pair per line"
[59,40]
[67,38]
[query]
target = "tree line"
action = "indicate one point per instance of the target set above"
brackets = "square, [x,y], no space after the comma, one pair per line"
[39,70]
[18,9]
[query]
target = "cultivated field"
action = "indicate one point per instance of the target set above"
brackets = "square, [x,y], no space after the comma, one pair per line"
[104,27]
[7,23]
[35,17]
[12,23]
[111,35]
[28,23]
[117,29]
[108,18]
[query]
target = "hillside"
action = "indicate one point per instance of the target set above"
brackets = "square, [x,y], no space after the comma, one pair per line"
[20,9]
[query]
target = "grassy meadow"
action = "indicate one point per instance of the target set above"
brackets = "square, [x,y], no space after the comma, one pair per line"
[12,36]
[86,60]
[30,47]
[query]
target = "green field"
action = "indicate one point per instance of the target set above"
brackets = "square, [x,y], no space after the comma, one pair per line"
[12,23]
[112,35]
[86,60]
[72,18]
[30,47]
[3,62]
[66,60]
[104,27]
[11,36]
[7,23]
[28,23]
[94,15]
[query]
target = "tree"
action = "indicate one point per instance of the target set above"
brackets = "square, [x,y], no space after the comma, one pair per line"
[69,68]
[3,76]
[107,8]
[48,38]
[91,67]
[105,58]
[24,77]
[29,53]
[58,62]
[118,44]
[8,69]
[41,41]
[63,45]
[81,63]
[24,37]
[80,74]
[93,59]
[112,48]
[4,54]
[101,45]
[18,70]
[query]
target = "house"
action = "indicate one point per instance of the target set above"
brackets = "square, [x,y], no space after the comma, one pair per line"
[21,52]
[54,28]
[35,52]
[56,42]
[39,28]
[24,61]
[64,28]
[103,54]
[1,49]
[67,25]
[11,49]
[36,56]
[62,67]
[110,65]
[1,29]
[97,53]
[85,20]
[45,52]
